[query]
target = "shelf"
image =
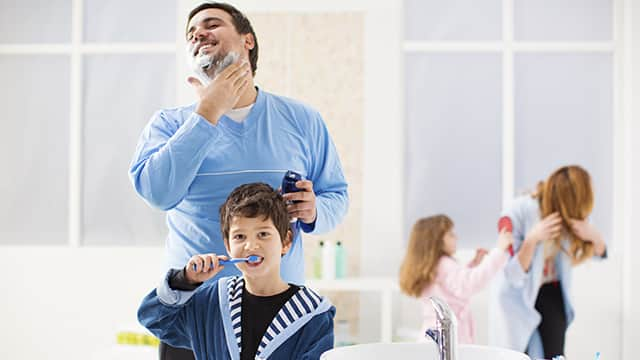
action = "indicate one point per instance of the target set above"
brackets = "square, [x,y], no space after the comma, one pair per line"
[355,284]
[385,285]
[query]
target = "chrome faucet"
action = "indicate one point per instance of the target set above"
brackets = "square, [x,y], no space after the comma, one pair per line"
[445,333]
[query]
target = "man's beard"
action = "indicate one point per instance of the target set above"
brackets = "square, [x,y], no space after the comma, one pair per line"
[207,67]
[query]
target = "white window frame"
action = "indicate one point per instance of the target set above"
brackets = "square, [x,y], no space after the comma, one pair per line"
[509,47]
[77,50]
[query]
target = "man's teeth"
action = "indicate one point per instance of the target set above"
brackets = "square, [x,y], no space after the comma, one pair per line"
[203,48]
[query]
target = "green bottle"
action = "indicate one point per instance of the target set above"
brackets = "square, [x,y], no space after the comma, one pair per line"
[317,261]
[341,261]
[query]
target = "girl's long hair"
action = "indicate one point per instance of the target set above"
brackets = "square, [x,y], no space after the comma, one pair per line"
[426,246]
[568,191]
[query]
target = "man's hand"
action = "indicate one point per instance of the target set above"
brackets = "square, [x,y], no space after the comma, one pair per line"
[305,209]
[223,92]
[201,268]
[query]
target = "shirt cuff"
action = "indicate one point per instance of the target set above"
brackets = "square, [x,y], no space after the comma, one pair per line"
[174,296]
[308,227]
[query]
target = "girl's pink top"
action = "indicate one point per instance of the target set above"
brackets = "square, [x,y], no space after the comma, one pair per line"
[456,283]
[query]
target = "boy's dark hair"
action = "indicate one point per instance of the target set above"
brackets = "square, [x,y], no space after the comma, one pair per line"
[240,22]
[253,200]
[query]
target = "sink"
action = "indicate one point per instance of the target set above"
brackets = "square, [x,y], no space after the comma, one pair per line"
[418,351]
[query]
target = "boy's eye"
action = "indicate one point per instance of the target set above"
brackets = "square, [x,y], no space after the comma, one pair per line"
[264,234]
[238,237]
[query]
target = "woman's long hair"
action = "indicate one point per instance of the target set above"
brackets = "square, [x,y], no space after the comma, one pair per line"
[568,192]
[426,246]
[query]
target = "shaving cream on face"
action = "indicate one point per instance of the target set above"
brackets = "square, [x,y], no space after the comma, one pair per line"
[223,63]
[204,64]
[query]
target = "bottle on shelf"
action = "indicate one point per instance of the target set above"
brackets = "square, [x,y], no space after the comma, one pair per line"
[328,261]
[341,261]
[317,260]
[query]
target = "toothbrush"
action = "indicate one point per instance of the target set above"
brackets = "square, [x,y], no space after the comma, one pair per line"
[250,259]
[598,355]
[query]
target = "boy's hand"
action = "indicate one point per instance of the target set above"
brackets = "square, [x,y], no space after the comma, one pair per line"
[305,209]
[201,268]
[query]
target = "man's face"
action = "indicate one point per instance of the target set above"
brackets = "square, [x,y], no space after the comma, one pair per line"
[213,42]
[256,236]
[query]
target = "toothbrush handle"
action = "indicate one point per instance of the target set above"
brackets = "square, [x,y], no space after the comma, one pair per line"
[225,262]
[231,261]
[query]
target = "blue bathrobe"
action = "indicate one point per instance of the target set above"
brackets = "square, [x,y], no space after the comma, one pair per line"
[208,320]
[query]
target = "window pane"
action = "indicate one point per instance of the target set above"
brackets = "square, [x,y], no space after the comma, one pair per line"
[130,21]
[458,20]
[454,137]
[34,149]
[35,21]
[563,20]
[121,94]
[563,108]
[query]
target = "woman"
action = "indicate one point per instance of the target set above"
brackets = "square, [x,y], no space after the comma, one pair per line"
[551,234]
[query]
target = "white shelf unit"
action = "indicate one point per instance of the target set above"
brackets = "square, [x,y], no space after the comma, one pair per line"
[384,286]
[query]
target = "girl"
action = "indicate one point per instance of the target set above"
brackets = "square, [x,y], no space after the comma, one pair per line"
[429,269]
[551,234]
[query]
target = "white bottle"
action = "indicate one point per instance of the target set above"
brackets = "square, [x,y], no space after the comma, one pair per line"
[328,261]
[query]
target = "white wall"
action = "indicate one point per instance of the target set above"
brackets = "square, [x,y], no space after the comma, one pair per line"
[69,303]
[632,268]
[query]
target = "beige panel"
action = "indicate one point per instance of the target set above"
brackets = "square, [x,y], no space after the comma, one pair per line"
[273,52]
[326,72]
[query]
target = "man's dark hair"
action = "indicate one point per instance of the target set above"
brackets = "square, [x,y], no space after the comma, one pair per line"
[240,22]
[254,200]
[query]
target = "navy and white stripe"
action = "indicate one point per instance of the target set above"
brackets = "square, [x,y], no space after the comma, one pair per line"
[235,286]
[303,302]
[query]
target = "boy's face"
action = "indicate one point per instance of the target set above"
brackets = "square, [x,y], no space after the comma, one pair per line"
[256,236]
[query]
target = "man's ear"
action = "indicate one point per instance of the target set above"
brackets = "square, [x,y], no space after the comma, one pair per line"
[249,41]
[286,244]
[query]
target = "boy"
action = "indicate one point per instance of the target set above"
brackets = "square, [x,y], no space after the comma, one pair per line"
[256,316]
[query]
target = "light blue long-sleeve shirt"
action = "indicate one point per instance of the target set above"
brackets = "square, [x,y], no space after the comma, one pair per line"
[185,165]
